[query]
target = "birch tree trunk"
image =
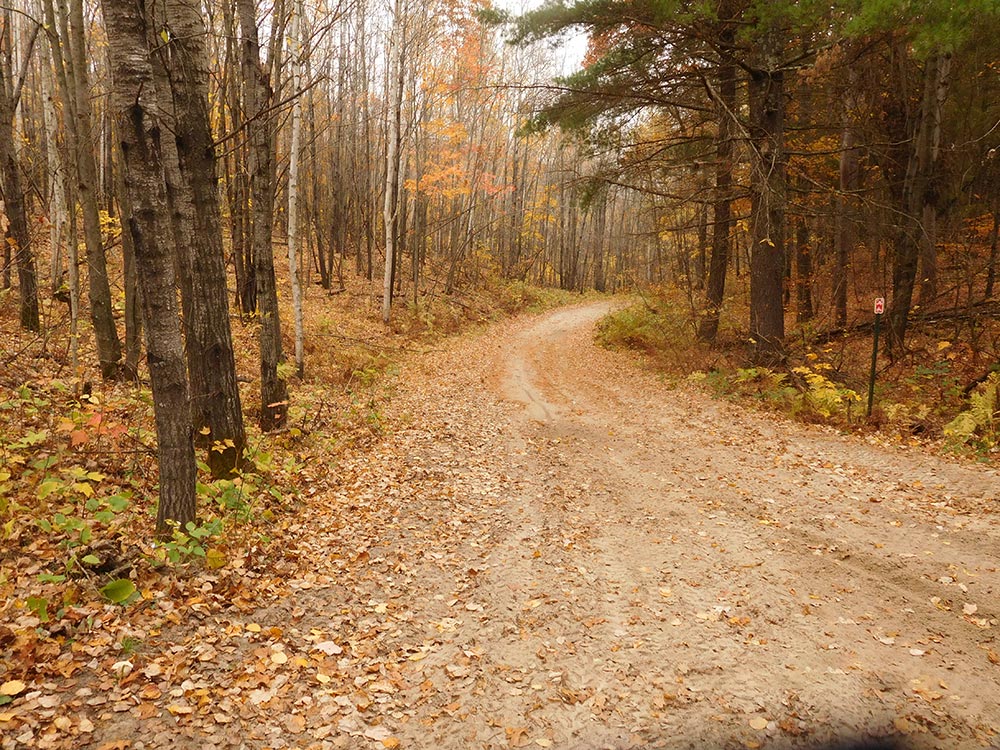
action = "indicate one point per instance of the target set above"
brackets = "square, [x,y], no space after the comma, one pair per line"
[62,242]
[394,108]
[297,53]
[139,140]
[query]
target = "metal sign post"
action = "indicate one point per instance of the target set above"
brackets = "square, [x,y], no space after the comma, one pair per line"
[879,309]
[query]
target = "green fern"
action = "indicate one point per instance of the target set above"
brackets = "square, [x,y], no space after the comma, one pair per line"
[979,425]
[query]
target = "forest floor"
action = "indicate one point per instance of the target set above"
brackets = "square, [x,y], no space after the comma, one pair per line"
[552,548]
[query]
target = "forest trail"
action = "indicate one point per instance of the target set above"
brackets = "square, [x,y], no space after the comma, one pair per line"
[554,549]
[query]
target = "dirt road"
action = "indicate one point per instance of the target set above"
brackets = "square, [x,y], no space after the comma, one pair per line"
[557,550]
[667,570]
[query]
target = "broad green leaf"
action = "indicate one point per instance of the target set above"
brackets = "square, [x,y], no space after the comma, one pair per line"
[47,488]
[118,591]
[40,606]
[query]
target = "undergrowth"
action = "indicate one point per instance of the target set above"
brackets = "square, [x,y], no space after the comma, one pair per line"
[921,397]
[78,480]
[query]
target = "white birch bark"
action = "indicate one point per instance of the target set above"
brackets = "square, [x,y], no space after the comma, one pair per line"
[296,52]
[393,107]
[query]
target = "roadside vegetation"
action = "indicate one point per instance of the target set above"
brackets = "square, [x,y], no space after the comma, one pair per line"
[942,392]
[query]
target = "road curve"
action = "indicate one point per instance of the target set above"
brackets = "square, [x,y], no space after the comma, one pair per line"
[727,576]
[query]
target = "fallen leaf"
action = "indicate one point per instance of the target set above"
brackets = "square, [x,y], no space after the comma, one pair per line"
[969,609]
[12,687]
[391,743]
[517,736]
[758,722]
[379,734]
[279,657]
[917,652]
[295,724]
[86,725]
[329,648]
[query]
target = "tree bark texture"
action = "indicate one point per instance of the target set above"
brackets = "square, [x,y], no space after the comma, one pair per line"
[216,410]
[18,236]
[109,349]
[767,206]
[139,137]
[261,134]
[718,263]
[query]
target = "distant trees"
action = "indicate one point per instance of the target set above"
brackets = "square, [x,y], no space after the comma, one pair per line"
[866,82]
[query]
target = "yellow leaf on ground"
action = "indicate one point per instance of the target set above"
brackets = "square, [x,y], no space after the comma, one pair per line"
[12,687]
[758,722]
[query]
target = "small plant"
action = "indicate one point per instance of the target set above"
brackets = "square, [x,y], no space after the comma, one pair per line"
[824,397]
[978,427]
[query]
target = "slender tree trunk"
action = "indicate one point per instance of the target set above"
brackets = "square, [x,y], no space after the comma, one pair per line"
[18,236]
[803,273]
[109,350]
[937,79]
[298,40]
[767,206]
[394,109]
[844,222]
[139,137]
[718,263]
[260,127]
[991,268]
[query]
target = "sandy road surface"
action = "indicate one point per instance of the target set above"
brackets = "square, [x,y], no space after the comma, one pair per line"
[673,571]
[553,549]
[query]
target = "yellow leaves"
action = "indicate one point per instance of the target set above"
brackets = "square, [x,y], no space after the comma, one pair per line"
[758,723]
[12,688]
[295,724]
[279,657]
[215,559]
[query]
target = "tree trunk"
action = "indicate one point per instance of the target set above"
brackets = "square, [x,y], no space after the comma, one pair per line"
[298,40]
[936,90]
[109,349]
[718,262]
[215,398]
[767,206]
[394,109]
[803,273]
[18,236]
[844,233]
[139,141]
[261,135]
[991,269]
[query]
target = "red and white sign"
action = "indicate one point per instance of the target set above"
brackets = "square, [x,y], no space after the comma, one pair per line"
[879,305]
